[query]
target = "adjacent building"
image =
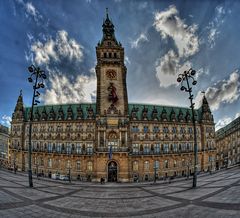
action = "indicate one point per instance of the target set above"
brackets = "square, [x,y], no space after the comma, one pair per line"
[228,145]
[112,138]
[4,139]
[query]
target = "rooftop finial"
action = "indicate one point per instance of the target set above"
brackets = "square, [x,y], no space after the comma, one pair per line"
[107,13]
[20,92]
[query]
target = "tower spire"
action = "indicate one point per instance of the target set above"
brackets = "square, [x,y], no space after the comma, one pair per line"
[107,13]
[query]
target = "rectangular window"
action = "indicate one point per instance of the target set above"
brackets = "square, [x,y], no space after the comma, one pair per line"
[174,130]
[69,148]
[165,148]
[157,149]
[145,129]
[89,148]
[146,149]
[78,148]
[135,148]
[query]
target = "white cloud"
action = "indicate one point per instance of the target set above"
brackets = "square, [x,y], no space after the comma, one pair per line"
[223,122]
[169,24]
[167,68]
[127,61]
[214,26]
[6,120]
[61,47]
[62,90]
[141,38]
[226,91]
[30,10]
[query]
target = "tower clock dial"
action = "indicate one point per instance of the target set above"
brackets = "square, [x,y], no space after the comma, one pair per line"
[111,74]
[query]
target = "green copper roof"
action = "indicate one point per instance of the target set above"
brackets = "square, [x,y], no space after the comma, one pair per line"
[140,107]
[64,107]
[160,108]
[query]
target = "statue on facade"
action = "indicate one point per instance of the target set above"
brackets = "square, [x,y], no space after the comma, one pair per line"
[112,96]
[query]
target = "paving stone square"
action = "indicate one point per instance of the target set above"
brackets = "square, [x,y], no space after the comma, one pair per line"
[216,195]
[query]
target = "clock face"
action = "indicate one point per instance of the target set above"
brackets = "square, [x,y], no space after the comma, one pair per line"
[111,74]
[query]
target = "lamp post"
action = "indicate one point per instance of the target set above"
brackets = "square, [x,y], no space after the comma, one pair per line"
[187,76]
[155,171]
[36,73]
[69,174]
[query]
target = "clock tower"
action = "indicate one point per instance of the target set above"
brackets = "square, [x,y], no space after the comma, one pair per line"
[111,74]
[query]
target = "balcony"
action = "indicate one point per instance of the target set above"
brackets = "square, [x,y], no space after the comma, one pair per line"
[114,149]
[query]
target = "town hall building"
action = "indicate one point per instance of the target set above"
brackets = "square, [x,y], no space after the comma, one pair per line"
[112,138]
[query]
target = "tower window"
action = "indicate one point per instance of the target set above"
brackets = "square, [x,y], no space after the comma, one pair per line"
[105,55]
[115,55]
[110,55]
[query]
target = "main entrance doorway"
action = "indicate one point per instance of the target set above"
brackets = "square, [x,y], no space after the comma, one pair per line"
[112,171]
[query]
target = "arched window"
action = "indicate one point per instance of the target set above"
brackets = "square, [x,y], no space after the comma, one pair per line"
[156,165]
[146,165]
[49,162]
[78,165]
[89,166]
[68,164]
[166,163]
[174,163]
[135,165]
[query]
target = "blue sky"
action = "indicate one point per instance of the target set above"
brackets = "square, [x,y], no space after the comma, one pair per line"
[161,39]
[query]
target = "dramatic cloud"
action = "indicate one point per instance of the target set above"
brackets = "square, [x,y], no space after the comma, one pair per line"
[169,24]
[62,57]
[226,91]
[167,68]
[82,89]
[6,120]
[57,50]
[142,38]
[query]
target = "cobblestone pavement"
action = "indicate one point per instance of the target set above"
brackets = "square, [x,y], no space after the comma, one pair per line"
[217,195]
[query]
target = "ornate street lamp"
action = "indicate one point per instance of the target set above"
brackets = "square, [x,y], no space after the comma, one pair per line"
[187,76]
[36,74]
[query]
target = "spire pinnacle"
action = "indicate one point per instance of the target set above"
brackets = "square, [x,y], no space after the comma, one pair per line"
[107,13]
